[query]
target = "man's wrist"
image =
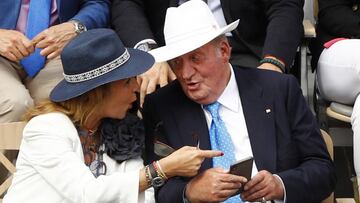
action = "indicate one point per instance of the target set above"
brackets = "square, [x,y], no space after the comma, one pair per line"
[269,66]
[185,199]
[79,27]
[146,46]
[274,61]
[282,189]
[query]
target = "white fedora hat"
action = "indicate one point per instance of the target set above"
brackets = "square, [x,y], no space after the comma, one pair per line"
[188,27]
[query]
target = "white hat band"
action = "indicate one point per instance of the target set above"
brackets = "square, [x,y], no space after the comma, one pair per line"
[81,77]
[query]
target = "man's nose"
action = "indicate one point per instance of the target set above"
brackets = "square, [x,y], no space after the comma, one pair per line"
[187,70]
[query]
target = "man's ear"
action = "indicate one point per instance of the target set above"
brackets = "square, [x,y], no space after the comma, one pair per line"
[225,50]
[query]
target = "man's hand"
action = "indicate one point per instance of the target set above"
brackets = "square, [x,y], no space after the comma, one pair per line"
[159,73]
[14,45]
[53,40]
[264,184]
[213,185]
[269,66]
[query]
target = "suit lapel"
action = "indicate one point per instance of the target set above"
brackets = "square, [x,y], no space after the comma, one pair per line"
[258,112]
[190,119]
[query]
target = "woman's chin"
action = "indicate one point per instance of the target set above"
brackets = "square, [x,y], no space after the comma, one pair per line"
[118,116]
[122,115]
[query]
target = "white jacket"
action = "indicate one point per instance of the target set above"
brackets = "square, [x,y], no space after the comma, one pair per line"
[50,168]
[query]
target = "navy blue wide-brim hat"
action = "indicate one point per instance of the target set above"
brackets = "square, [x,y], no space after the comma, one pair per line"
[94,58]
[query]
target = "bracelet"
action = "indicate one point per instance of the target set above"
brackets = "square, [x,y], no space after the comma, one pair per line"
[159,170]
[158,173]
[274,62]
[147,175]
[156,180]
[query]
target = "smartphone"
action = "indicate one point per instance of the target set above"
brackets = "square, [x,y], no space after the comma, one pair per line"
[243,168]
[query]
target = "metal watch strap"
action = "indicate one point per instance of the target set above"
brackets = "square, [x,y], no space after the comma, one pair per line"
[79,27]
[146,46]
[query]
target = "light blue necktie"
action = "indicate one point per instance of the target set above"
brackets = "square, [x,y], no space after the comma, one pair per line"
[37,21]
[221,140]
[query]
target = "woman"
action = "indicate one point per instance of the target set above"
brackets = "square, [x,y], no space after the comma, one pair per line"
[336,52]
[61,157]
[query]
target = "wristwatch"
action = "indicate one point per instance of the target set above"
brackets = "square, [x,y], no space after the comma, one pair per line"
[156,180]
[146,46]
[79,27]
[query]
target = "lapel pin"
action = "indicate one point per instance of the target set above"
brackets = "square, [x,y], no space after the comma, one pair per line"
[268,110]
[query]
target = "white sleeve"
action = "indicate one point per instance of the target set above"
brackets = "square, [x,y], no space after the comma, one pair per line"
[49,146]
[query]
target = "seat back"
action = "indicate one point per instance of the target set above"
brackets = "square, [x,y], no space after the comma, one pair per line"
[10,139]
[315,9]
[330,148]
[340,112]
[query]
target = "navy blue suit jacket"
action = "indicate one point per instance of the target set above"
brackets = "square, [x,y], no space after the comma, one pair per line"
[286,141]
[93,13]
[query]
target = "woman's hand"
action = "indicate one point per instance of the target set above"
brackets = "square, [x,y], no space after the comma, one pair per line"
[186,161]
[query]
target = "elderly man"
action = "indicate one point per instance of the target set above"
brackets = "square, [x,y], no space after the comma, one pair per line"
[240,111]
[268,37]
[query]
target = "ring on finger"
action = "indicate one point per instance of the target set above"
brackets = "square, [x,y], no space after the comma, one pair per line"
[263,200]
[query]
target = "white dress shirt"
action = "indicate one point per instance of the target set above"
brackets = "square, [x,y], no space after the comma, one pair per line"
[231,113]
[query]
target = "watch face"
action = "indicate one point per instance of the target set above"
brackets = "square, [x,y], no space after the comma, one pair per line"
[157,182]
[143,47]
[79,27]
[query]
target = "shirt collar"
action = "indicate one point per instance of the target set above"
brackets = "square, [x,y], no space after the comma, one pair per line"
[230,97]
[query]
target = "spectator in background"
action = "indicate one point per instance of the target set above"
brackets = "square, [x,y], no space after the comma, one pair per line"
[338,64]
[267,37]
[62,155]
[238,110]
[32,35]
